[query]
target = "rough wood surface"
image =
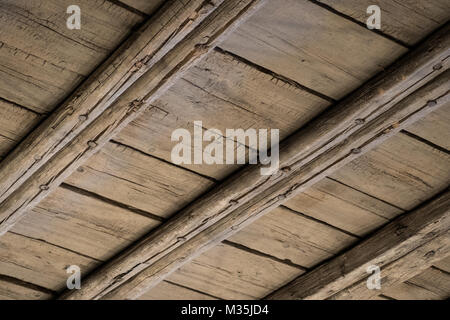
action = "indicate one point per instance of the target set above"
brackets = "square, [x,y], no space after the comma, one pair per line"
[293,237]
[138,54]
[153,83]
[145,6]
[38,262]
[402,171]
[14,289]
[42,61]
[84,224]
[171,291]
[392,242]
[343,207]
[313,46]
[309,143]
[15,122]
[230,273]
[303,175]
[444,264]
[401,270]
[408,21]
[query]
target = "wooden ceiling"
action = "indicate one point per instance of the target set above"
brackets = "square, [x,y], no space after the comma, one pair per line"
[86,176]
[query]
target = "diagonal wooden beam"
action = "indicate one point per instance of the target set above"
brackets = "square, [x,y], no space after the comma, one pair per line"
[414,107]
[323,142]
[222,18]
[124,67]
[425,229]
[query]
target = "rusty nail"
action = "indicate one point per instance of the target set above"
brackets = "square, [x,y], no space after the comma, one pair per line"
[233,202]
[83,117]
[360,121]
[356,150]
[92,144]
[37,157]
[181,239]
[43,187]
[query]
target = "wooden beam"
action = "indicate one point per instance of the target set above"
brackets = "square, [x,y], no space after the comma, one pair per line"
[325,138]
[140,52]
[422,227]
[223,18]
[371,134]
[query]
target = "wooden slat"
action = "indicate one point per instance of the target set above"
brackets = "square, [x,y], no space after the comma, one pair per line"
[402,171]
[128,63]
[432,284]
[343,207]
[408,21]
[198,226]
[38,262]
[42,60]
[132,178]
[15,122]
[84,224]
[444,264]
[423,229]
[146,6]
[17,290]
[292,237]
[171,291]
[248,98]
[435,127]
[313,46]
[230,273]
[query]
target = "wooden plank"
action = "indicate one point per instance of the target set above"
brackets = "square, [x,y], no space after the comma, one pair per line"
[248,98]
[38,262]
[218,214]
[154,82]
[343,207]
[15,122]
[128,63]
[408,21]
[292,237]
[435,127]
[146,6]
[13,289]
[230,273]
[42,59]
[432,284]
[313,46]
[444,264]
[429,222]
[171,291]
[132,178]
[84,224]
[402,171]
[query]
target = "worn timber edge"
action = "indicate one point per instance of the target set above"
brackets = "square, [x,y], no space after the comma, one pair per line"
[128,63]
[330,130]
[412,108]
[395,240]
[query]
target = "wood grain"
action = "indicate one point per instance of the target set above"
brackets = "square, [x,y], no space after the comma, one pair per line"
[292,237]
[230,273]
[84,224]
[313,46]
[17,290]
[171,291]
[146,6]
[402,171]
[408,21]
[343,207]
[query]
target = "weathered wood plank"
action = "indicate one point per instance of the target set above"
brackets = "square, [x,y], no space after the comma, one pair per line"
[432,284]
[399,238]
[14,289]
[38,262]
[408,21]
[444,264]
[435,127]
[137,55]
[402,171]
[222,92]
[313,46]
[42,60]
[343,207]
[132,178]
[84,224]
[171,291]
[230,273]
[198,226]
[292,237]
[146,6]
[15,122]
